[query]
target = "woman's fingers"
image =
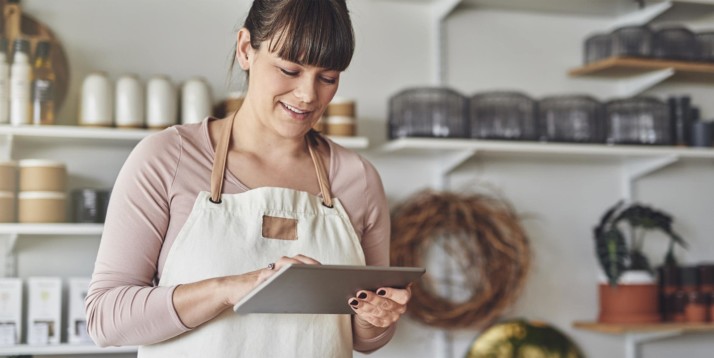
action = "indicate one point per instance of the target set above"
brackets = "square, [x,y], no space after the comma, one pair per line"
[297,259]
[401,296]
[377,310]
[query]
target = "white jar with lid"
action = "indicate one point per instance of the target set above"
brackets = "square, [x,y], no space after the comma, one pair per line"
[41,207]
[161,103]
[96,107]
[196,103]
[129,102]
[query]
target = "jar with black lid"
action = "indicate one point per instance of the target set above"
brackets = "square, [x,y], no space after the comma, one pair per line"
[668,287]
[706,278]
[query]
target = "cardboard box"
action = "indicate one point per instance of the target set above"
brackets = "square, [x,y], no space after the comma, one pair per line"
[76,317]
[10,311]
[44,311]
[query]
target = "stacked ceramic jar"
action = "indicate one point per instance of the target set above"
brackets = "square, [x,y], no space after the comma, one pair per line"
[687,293]
[42,187]
[8,185]
[340,118]
[128,104]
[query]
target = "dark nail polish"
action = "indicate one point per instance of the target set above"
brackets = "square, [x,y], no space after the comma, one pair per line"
[362,295]
[381,292]
[354,302]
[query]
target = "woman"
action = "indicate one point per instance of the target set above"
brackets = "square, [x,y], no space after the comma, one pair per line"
[175,257]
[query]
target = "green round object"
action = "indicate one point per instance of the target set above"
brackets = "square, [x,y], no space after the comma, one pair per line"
[523,339]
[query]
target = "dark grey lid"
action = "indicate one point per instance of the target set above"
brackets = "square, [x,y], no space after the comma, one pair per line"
[43,49]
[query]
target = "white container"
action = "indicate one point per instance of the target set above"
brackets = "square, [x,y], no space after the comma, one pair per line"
[10,311]
[42,175]
[76,318]
[96,107]
[129,102]
[196,102]
[4,84]
[44,297]
[41,207]
[8,176]
[20,84]
[7,206]
[161,103]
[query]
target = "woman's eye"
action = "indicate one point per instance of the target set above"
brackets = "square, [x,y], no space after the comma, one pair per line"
[330,81]
[289,73]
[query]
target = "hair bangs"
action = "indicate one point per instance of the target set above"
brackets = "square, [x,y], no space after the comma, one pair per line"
[312,33]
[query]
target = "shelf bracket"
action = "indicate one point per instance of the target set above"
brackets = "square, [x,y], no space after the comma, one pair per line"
[633,340]
[441,10]
[634,86]
[8,255]
[638,168]
[448,164]
[643,16]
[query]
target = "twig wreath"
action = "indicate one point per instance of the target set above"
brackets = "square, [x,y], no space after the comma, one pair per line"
[484,238]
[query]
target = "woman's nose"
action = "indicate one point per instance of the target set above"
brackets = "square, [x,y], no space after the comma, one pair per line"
[306,90]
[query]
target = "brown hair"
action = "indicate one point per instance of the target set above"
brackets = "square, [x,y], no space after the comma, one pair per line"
[309,32]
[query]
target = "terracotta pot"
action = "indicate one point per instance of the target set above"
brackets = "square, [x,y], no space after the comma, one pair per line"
[634,300]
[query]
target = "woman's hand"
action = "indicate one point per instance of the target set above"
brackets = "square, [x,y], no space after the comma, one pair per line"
[383,308]
[277,265]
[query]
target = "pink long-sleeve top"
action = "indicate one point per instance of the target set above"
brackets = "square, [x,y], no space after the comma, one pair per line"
[151,200]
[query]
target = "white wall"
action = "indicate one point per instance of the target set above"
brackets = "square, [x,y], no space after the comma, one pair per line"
[487,49]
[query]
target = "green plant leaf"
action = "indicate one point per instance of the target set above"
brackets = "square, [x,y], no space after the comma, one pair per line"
[612,253]
[638,261]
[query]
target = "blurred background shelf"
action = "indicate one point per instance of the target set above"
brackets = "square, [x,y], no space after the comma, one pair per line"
[629,66]
[61,349]
[51,229]
[643,328]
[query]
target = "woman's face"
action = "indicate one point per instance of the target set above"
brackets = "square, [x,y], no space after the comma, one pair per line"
[288,97]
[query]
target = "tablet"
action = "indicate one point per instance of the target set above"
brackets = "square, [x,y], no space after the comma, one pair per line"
[323,289]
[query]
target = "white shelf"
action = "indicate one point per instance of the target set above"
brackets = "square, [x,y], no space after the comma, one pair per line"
[435,146]
[62,349]
[52,229]
[117,135]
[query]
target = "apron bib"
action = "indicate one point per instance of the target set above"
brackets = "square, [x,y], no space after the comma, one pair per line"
[238,233]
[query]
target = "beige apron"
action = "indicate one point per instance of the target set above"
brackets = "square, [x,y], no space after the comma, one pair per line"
[224,235]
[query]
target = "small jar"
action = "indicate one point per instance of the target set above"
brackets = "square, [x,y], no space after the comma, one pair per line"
[196,102]
[697,307]
[7,206]
[42,175]
[706,278]
[689,278]
[41,207]
[129,102]
[96,107]
[161,103]
[341,117]
[8,176]
[679,303]
[86,205]
[668,286]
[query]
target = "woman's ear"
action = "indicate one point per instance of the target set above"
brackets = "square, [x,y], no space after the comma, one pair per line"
[244,51]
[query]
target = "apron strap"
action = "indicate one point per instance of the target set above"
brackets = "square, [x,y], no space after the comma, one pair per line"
[321,176]
[218,172]
[219,162]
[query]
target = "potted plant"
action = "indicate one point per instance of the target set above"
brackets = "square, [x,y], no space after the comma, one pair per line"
[630,294]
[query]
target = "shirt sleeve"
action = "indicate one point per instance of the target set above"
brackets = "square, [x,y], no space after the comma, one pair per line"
[375,244]
[123,305]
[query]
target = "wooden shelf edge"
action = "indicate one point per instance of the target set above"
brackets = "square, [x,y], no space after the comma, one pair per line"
[641,64]
[611,328]
[62,349]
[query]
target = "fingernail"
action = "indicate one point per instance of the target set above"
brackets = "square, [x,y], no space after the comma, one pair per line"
[381,292]
[354,302]
[362,295]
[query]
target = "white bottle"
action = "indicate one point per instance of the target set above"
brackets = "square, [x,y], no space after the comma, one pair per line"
[20,81]
[96,107]
[195,101]
[129,102]
[161,103]
[4,84]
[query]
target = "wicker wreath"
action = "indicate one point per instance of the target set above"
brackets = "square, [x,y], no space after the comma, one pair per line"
[483,237]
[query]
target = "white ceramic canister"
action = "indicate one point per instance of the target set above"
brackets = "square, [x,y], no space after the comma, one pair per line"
[42,175]
[8,176]
[161,103]
[7,206]
[129,102]
[196,102]
[41,207]
[96,107]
